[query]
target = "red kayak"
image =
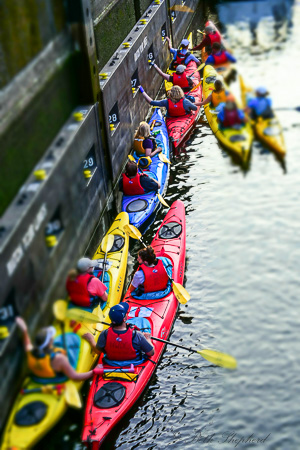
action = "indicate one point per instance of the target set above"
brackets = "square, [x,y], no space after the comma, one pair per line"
[117,389]
[179,127]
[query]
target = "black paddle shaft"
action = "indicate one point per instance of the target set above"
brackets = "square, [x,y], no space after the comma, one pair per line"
[174,345]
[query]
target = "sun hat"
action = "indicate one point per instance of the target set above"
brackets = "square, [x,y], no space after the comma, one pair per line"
[84,264]
[181,68]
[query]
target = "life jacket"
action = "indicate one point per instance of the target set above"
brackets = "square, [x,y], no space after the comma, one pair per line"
[132,186]
[138,144]
[214,37]
[231,118]
[77,289]
[119,347]
[220,58]
[181,80]
[176,109]
[156,278]
[180,58]
[41,366]
[218,97]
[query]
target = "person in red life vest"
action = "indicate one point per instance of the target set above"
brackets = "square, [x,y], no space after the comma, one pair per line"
[152,275]
[219,95]
[176,105]
[219,56]
[211,36]
[144,144]
[230,116]
[133,183]
[46,361]
[179,78]
[181,55]
[84,289]
[120,342]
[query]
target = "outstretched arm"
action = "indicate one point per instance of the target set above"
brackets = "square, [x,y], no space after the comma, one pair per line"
[145,95]
[60,363]
[164,75]
[90,338]
[26,338]
[169,42]
[204,102]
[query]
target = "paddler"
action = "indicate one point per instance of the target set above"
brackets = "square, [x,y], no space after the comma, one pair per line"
[133,183]
[219,56]
[219,95]
[120,342]
[181,55]
[179,78]
[144,144]
[46,361]
[210,37]
[261,105]
[84,289]
[230,116]
[151,275]
[176,105]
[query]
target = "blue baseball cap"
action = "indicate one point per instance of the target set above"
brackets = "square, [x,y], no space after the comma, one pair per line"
[118,312]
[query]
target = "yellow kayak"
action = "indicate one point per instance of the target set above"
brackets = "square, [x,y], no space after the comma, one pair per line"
[238,141]
[168,84]
[35,413]
[268,131]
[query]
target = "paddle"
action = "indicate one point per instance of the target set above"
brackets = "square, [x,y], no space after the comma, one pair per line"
[160,198]
[163,158]
[72,395]
[106,245]
[180,292]
[217,358]
[199,68]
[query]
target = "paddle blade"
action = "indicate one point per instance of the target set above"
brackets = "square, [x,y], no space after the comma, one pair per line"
[60,309]
[132,231]
[162,201]
[131,158]
[107,243]
[180,293]
[218,358]
[83,316]
[163,158]
[72,395]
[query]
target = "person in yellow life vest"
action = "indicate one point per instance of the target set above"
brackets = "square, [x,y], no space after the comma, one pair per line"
[219,95]
[144,144]
[46,361]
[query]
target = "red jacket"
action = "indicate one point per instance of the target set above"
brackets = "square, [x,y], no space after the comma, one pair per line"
[77,289]
[214,37]
[132,186]
[220,58]
[156,278]
[119,347]
[176,109]
[231,118]
[181,80]
[181,57]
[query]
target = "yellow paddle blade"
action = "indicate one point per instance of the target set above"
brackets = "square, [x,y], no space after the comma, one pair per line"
[152,126]
[72,395]
[163,158]
[60,309]
[218,358]
[83,316]
[132,231]
[131,158]
[107,243]
[180,293]
[160,198]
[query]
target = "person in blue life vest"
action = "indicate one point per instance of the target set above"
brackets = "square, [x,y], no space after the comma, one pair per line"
[219,95]
[210,37]
[261,105]
[230,116]
[176,105]
[219,56]
[46,361]
[121,342]
[181,55]
[144,144]
[179,78]
[133,183]
[151,275]
[84,289]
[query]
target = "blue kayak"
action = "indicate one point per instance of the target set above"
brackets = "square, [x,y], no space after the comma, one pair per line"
[140,207]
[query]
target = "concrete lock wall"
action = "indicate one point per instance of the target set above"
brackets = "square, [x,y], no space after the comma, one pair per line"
[45,230]
[123,106]
[181,13]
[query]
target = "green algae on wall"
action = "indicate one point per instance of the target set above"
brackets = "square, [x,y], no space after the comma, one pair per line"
[25,142]
[111,31]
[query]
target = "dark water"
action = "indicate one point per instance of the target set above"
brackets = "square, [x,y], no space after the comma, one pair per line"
[242,271]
